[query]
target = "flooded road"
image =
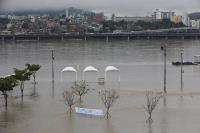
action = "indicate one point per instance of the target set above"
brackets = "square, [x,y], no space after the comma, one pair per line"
[141,68]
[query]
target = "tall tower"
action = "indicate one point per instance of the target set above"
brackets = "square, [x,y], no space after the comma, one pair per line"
[66,13]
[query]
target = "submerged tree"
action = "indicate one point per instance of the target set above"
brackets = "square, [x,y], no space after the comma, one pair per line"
[7,84]
[108,97]
[80,88]
[21,76]
[33,68]
[152,101]
[69,98]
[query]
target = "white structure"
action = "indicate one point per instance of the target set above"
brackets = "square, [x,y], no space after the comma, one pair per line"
[186,19]
[197,58]
[69,69]
[32,18]
[161,14]
[96,112]
[66,13]
[111,69]
[157,15]
[89,69]
[195,23]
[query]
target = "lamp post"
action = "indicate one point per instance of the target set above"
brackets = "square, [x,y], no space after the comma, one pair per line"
[52,59]
[182,69]
[164,49]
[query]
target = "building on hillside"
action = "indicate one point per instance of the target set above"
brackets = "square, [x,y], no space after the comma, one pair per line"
[98,17]
[132,19]
[160,15]
[176,19]
[74,12]
[167,15]
[195,24]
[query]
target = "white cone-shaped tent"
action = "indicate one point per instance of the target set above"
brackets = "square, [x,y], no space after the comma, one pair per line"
[69,69]
[111,69]
[89,69]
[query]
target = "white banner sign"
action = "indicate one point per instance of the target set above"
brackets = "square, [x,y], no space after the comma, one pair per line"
[97,112]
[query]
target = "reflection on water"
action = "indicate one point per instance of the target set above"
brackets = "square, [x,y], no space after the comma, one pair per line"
[70,123]
[164,122]
[149,127]
[53,87]
[141,68]
[109,127]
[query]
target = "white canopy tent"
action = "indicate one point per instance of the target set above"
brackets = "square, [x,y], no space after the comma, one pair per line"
[111,69]
[89,69]
[69,69]
[197,58]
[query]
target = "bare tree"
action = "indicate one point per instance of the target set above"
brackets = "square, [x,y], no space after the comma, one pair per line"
[69,98]
[152,101]
[108,97]
[80,88]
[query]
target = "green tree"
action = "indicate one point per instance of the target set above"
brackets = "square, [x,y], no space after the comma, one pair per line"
[7,84]
[21,76]
[33,68]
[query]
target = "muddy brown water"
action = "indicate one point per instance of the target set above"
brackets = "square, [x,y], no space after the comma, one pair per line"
[141,69]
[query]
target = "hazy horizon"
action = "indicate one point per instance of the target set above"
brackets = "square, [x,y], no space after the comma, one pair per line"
[125,7]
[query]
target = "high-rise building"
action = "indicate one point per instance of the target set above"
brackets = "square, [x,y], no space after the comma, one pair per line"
[159,15]
[66,14]
[167,15]
[186,19]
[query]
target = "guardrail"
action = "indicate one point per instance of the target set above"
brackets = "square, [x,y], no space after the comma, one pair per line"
[106,36]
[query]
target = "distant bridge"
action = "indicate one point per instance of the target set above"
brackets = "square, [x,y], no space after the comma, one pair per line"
[105,36]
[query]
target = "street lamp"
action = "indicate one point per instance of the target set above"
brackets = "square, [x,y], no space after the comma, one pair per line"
[52,60]
[164,48]
[182,71]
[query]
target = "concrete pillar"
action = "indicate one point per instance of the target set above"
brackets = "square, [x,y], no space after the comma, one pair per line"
[107,38]
[13,38]
[2,38]
[85,38]
[38,38]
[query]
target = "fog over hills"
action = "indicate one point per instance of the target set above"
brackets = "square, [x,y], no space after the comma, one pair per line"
[125,7]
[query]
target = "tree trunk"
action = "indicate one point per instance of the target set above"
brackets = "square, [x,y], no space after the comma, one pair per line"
[150,116]
[150,119]
[22,93]
[70,109]
[107,113]
[6,100]
[22,89]
[34,78]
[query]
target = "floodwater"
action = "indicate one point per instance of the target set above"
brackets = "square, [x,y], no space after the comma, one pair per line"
[141,68]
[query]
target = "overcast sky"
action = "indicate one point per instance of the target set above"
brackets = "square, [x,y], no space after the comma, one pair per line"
[119,7]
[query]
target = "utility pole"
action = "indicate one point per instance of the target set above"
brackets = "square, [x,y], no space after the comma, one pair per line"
[52,59]
[164,49]
[182,70]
